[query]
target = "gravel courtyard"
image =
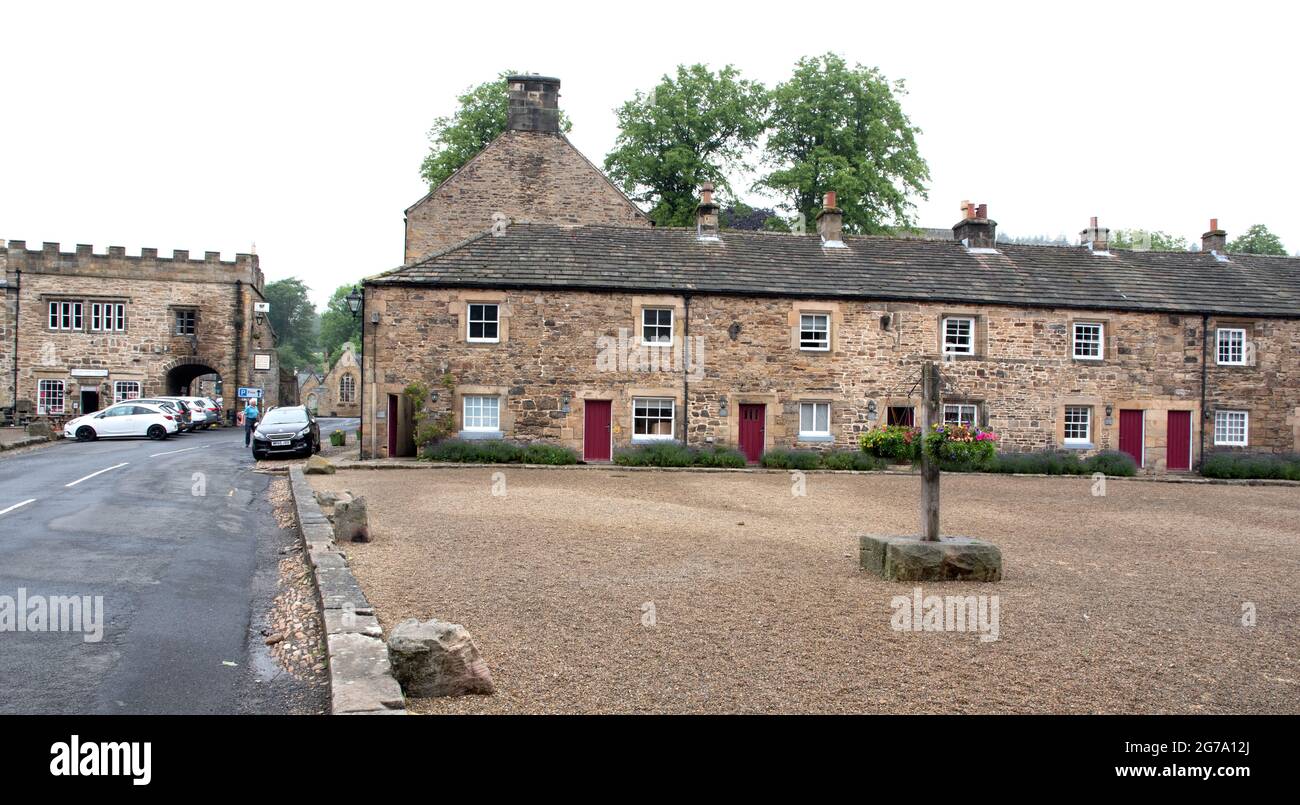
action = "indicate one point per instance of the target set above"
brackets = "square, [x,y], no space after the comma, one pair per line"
[1127,603]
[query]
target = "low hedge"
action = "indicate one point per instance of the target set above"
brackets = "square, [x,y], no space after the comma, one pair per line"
[496,451]
[674,454]
[1282,467]
[1058,462]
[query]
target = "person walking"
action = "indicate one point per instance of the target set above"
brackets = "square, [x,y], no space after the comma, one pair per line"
[250,421]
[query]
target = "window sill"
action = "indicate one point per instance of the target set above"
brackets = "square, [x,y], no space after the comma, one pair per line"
[815,437]
[651,439]
[1079,446]
[483,340]
[814,349]
[481,434]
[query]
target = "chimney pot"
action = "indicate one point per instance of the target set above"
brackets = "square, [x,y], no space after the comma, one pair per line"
[1095,237]
[975,227]
[830,222]
[706,215]
[1216,240]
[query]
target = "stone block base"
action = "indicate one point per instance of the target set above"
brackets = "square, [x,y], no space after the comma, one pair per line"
[951,559]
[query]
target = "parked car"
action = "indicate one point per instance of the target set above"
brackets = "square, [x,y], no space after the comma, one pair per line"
[184,416]
[291,429]
[130,418]
[200,416]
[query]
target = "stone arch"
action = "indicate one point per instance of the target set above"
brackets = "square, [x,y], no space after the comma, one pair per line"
[178,374]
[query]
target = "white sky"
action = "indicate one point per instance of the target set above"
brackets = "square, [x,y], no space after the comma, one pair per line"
[301,126]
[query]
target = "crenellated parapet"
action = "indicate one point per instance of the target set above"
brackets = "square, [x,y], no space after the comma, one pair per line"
[50,258]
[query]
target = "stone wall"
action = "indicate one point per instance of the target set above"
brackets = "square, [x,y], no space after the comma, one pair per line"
[1021,378]
[527,176]
[231,338]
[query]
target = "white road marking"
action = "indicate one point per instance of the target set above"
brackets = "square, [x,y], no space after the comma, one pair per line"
[184,450]
[101,472]
[17,505]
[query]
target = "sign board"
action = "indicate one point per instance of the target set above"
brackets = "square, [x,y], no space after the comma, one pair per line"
[261,307]
[246,393]
[89,373]
[262,361]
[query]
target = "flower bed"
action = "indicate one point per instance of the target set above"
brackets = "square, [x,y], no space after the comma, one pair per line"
[496,451]
[1252,465]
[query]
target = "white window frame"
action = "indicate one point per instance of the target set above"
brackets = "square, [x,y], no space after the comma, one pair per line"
[1099,343]
[350,394]
[107,317]
[961,409]
[814,432]
[120,394]
[1223,338]
[658,326]
[1086,422]
[65,315]
[952,346]
[660,402]
[471,320]
[807,344]
[44,388]
[478,401]
[1222,424]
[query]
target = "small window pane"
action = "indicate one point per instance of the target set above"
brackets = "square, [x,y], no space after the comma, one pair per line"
[484,324]
[657,325]
[481,413]
[815,331]
[1088,341]
[1232,346]
[1078,422]
[652,418]
[959,336]
[960,414]
[1231,428]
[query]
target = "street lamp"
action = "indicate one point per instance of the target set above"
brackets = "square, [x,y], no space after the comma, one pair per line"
[354,301]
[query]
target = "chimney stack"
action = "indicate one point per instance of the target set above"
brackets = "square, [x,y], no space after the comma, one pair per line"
[706,215]
[975,228]
[830,222]
[533,104]
[1095,237]
[1216,240]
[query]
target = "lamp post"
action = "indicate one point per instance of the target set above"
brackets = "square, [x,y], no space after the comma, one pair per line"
[354,302]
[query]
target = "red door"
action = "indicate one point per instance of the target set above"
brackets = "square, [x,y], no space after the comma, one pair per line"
[596,430]
[752,430]
[1130,434]
[1179,439]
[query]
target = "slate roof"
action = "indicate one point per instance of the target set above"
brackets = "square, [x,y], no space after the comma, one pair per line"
[529,255]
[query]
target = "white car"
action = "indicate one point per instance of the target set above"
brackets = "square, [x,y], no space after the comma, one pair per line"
[129,418]
[200,415]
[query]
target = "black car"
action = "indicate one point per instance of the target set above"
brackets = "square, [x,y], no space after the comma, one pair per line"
[291,429]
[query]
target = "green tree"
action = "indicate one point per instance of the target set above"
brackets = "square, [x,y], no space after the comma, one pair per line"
[338,326]
[1258,240]
[481,117]
[1147,240]
[841,128]
[294,318]
[691,128]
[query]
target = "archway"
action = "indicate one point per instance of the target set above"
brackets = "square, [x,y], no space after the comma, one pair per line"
[185,375]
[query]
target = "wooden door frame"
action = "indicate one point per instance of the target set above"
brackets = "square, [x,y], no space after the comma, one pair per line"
[1191,441]
[1142,436]
[762,420]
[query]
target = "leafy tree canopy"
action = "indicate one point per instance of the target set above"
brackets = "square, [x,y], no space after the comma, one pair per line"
[479,119]
[294,318]
[1147,240]
[693,127]
[743,216]
[842,128]
[338,326]
[1258,240]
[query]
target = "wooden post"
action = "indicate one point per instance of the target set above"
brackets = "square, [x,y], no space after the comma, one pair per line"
[929,466]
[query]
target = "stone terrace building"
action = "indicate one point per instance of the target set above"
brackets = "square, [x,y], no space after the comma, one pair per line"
[599,336]
[82,330]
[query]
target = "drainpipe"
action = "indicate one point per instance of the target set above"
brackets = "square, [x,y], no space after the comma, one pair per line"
[361,393]
[239,340]
[686,370]
[1205,345]
[18,306]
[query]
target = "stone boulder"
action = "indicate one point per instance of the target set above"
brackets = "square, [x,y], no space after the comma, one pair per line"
[911,559]
[39,429]
[317,466]
[351,523]
[436,658]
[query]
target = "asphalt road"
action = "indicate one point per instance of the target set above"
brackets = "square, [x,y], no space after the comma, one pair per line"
[179,539]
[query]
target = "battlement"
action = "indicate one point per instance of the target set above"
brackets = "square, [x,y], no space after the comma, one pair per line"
[51,258]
